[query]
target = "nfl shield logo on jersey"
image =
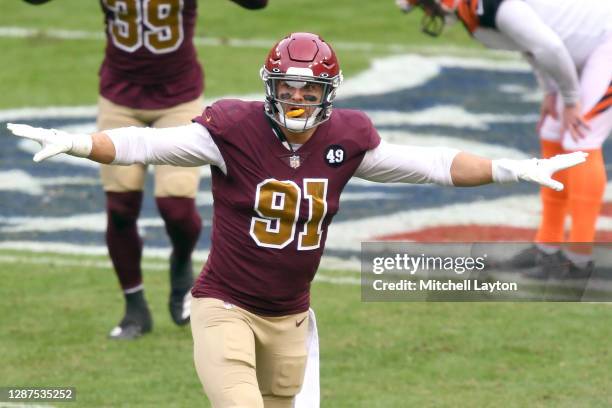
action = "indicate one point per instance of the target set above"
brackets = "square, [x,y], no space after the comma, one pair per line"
[294,161]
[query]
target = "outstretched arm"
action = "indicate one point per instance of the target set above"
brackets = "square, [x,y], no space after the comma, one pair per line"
[186,146]
[468,170]
[102,149]
[409,164]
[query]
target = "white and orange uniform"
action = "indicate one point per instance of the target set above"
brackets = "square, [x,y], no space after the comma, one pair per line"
[569,45]
[568,42]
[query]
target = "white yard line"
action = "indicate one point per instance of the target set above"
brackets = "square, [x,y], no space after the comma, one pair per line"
[396,48]
[157,260]
[162,266]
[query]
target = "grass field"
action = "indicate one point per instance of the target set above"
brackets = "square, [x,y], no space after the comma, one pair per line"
[44,70]
[56,309]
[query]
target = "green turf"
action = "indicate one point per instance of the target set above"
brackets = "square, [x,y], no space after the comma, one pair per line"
[55,318]
[341,20]
[43,71]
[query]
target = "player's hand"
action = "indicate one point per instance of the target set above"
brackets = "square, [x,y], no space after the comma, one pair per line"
[52,141]
[403,5]
[573,122]
[536,170]
[547,108]
[541,170]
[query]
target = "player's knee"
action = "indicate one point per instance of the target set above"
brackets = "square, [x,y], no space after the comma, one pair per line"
[288,377]
[271,401]
[123,208]
[241,396]
[178,211]
[233,386]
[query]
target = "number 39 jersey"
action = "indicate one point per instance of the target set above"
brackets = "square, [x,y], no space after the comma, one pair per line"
[150,60]
[272,207]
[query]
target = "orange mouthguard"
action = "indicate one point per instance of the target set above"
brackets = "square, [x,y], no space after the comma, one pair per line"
[295,112]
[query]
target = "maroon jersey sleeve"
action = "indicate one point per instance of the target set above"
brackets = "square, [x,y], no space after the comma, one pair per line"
[355,131]
[365,133]
[222,115]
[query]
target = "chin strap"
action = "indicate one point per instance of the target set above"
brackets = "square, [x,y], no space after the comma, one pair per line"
[279,134]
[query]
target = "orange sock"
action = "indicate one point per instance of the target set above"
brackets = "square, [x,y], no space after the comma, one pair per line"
[587,185]
[554,203]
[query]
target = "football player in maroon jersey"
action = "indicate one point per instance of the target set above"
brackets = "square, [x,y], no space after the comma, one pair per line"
[150,76]
[278,168]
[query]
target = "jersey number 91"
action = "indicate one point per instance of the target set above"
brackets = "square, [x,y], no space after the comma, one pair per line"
[278,203]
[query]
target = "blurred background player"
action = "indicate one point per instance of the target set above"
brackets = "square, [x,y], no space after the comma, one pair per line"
[278,169]
[569,45]
[151,76]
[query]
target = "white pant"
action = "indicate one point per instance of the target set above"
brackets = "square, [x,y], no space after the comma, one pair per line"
[310,394]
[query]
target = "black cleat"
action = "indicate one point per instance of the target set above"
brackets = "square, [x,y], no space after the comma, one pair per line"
[130,330]
[549,266]
[137,320]
[527,258]
[181,281]
[574,272]
[180,307]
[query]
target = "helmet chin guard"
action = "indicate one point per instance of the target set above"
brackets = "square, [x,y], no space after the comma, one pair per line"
[300,61]
[298,125]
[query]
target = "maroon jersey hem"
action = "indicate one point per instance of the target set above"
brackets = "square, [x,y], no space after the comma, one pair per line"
[260,312]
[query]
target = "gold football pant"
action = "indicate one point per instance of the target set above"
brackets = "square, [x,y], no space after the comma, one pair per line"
[170,181]
[245,360]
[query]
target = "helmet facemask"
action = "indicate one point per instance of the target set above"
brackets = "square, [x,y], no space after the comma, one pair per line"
[297,100]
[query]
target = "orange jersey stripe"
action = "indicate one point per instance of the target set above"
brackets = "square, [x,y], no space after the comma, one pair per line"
[599,108]
[604,103]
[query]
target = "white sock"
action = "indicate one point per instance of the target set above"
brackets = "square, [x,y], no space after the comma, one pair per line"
[134,289]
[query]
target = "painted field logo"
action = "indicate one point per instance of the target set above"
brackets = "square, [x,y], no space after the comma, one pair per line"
[482,106]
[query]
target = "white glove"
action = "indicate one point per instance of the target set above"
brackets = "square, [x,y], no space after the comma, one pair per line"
[53,141]
[535,170]
[404,5]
